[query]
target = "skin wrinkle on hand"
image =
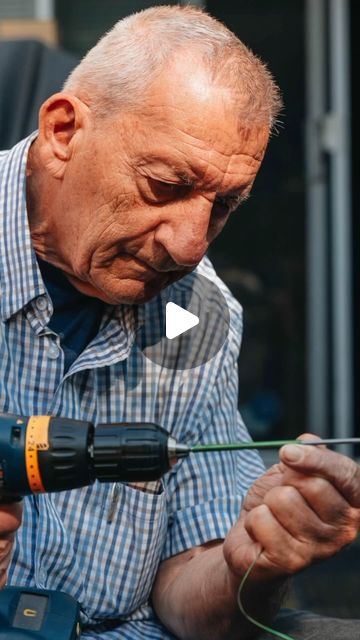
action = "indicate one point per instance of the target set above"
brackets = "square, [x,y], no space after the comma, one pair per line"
[311,527]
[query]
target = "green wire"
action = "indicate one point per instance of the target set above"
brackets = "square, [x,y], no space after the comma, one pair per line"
[273,632]
[271,444]
[266,444]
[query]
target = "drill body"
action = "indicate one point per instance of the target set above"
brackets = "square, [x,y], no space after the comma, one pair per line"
[43,454]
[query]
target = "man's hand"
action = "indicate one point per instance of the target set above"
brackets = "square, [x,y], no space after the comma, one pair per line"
[10,520]
[299,512]
[303,510]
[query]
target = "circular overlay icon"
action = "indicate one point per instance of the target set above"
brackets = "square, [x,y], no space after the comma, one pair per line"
[186,325]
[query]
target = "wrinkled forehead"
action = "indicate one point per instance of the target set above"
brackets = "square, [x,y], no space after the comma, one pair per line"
[188,126]
[202,141]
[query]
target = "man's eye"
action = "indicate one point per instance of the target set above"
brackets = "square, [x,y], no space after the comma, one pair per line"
[166,190]
[226,204]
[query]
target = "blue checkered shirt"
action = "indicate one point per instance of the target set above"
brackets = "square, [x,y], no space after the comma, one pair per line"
[66,541]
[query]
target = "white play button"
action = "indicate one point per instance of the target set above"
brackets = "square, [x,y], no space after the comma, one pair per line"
[178,320]
[186,325]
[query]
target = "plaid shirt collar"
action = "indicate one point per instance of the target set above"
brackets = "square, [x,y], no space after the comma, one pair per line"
[19,271]
[20,276]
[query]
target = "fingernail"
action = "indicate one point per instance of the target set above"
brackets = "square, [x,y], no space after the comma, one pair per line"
[292,453]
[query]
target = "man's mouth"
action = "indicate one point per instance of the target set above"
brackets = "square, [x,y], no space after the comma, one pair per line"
[163,268]
[166,266]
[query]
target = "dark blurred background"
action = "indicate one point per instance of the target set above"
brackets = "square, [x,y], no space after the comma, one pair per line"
[290,254]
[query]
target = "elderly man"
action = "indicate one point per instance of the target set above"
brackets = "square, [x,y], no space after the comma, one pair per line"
[136,168]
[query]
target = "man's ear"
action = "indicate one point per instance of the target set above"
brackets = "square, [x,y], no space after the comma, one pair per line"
[62,120]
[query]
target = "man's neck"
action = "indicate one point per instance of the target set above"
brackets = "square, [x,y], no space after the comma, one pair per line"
[40,204]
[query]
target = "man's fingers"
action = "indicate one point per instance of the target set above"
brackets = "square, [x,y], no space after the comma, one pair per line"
[296,516]
[282,553]
[10,520]
[342,472]
[311,436]
[304,436]
[5,553]
[255,495]
[309,515]
[10,516]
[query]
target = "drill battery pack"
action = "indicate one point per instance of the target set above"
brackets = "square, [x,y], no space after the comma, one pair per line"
[38,614]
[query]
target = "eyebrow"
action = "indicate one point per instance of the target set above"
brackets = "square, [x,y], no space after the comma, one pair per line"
[185,178]
[240,197]
[185,173]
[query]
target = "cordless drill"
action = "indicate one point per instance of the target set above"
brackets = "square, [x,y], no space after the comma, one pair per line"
[44,454]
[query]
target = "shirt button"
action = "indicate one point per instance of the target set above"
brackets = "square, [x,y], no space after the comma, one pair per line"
[41,303]
[53,352]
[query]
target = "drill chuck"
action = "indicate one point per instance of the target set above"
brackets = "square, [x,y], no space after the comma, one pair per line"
[44,454]
[130,454]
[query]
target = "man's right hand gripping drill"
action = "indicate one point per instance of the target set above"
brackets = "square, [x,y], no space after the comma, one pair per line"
[10,520]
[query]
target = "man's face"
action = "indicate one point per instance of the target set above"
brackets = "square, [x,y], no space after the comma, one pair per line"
[143,196]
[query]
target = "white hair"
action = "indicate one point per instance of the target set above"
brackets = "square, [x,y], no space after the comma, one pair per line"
[118,71]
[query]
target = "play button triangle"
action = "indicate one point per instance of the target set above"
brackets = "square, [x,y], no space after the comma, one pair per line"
[178,320]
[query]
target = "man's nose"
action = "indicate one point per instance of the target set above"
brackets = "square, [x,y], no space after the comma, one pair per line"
[184,235]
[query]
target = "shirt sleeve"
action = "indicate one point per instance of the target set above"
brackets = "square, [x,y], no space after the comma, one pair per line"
[205,491]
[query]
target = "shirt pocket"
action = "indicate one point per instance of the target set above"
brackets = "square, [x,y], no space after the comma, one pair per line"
[128,555]
[109,567]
